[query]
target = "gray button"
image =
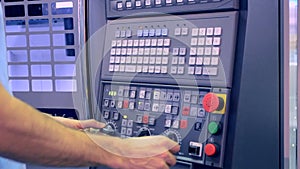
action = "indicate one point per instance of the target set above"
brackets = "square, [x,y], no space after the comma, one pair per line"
[116,116]
[129,131]
[106,115]
[129,123]
[106,103]
[147,106]
[123,130]
[139,118]
[176,97]
[124,123]
[141,105]
[151,121]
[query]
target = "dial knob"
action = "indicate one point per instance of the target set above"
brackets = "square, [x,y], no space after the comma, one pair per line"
[173,135]
[211,102]
[144,131]
[110,128]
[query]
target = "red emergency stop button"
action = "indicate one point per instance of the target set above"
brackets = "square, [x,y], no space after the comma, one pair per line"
[210,102]
[210,149]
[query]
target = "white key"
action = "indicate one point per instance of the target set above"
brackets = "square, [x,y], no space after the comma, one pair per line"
[177,31]
[146,60]
[135,51]
[207,51]
[194,41]
[117,68]
[210,31]
[212,71]
[214,61]
[139,68]
[130,43]
[216,51]
[140,60]
[193,51]
[158,2]
[123,60]
[181,60]
[198,70]
[160,42]
[141,51]
[166,51]
[201,41]
[151,69]
[148,42]
[167,42]
[180,70]
[168,1]
[174,60]
[142,42]
[113,51]
[204,71]
[138,3]
[206,61]
[113,43]
[159,51]
[119,43]
[122,68]
[218,31]
[153,42]
[217,41]
[157,69]
[118,51]
[147,51]
[145,69]
[175,51]
[152,60]
[134,59]
[153,51]
[202,31]
[128,59]
[111,68]
[182,51]
[174,70]
[164,69]
[191,70]
[112,59]
[200,51]
[136,43]
[165,60]
[124,51]
[192,60]
[184,31]
[148,2]
[179,1]
[195,32]
[130,68]
[129,51]
[208,41]
[199,61]
[124,43]
[158,60]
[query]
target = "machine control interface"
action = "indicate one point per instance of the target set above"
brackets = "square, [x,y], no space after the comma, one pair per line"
[196,118]
[197,48]
[171,76]
[121,8]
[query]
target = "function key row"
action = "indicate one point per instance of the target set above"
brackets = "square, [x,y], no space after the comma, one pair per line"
[141,43]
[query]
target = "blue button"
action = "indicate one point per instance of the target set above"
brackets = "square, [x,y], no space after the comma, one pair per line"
[158,32]
[140,33]
[146,33]
[152,32]
[164,32]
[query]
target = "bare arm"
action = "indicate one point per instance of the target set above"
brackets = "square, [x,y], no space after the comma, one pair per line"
[30,136]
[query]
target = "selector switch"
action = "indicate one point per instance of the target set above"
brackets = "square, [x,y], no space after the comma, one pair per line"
[211,102]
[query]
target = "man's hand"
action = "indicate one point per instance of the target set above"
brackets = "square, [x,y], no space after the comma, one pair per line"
[151,152]
[79,124]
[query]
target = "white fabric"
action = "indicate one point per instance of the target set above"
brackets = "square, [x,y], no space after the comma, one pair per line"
[5,163]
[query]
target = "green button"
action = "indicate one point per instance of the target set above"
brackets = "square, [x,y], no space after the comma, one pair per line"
[213,127]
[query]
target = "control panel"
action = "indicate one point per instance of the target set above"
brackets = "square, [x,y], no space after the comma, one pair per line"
[122,8]
[193,49]
[194,117]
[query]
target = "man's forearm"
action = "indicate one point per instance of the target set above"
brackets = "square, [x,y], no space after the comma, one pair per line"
[30,136]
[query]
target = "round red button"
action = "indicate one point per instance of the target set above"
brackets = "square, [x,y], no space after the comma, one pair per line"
[210,149]
[210,102]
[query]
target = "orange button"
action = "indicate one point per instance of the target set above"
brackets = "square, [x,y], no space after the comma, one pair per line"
[210,149]
[145,119]
[125,104]
[186,111]
[183,124]
[210,102]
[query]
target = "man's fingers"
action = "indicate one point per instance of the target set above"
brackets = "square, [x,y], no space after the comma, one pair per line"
[169,158]
[91,124]
[175,149]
